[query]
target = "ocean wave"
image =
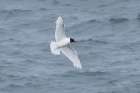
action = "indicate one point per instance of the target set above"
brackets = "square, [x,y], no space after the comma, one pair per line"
[138,17]
[127,48]
[9,86]
[90,21]
[14,15]
[55,2]
[42,9]
[14,85]
[118,20]
[64,4]
[85,73]
[14,11]
[81,24]
[92,40]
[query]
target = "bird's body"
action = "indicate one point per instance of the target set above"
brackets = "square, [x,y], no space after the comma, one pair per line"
[62,44]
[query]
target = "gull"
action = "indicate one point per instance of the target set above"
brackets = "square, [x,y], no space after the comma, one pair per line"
[62,44]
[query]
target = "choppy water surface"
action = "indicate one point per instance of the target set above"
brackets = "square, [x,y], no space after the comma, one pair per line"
[108,43]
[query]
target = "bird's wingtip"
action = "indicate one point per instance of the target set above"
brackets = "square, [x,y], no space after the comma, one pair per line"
[59,17]
[78,66]
[59,20]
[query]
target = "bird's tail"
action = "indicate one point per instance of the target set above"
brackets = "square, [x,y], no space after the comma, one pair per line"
[54,49]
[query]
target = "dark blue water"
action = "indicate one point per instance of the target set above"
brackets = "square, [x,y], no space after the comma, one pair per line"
[108,43]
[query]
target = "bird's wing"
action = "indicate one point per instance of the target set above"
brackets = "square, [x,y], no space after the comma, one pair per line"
[72,55]
[60,30]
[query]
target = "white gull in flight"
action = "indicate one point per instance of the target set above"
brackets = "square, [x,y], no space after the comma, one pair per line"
[62,44]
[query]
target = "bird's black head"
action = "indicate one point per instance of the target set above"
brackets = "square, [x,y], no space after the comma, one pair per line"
[72,40]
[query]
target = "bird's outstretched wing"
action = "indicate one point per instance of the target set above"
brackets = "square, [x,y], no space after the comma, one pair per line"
[60,30]
[72,55]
